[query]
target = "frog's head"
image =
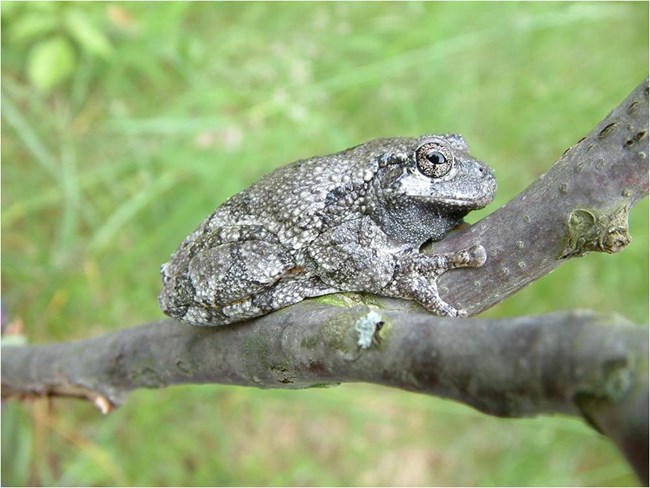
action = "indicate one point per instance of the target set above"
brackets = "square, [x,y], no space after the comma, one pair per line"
[440,171]
[432,183]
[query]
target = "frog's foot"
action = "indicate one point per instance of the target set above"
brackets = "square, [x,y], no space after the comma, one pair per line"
[416,279]
[428,296]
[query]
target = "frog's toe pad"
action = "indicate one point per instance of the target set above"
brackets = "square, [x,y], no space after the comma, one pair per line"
[473,257]
[477,256]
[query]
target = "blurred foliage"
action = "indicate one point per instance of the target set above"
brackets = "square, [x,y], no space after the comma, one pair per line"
[125,124]
[49,34]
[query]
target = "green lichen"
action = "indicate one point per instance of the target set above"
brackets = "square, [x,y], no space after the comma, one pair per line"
[612,382]
[612,378]
[346,300]
[595,230]
[342,332]
[336,333]
[372,301]
[256,351]
[366,328]
[339,332]
[309,342]
[619,381]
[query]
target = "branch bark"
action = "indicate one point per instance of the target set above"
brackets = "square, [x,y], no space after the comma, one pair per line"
[571,363]
[574,363]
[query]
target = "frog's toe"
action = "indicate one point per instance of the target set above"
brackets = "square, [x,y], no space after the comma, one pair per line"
[477,255]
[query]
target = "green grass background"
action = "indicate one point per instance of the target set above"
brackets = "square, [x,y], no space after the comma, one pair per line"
[104,174]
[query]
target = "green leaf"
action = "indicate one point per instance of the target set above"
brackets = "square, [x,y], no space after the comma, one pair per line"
[87,34]
[31,26]
[51,62]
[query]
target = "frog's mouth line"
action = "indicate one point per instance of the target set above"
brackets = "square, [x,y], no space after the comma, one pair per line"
[465,203]
[457,202]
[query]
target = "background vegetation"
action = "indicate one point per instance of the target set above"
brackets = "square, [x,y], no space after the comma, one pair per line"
[125,124]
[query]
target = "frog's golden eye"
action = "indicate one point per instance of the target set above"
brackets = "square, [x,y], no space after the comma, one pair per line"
[434,159]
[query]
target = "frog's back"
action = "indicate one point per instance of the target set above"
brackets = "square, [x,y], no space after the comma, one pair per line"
[298,201]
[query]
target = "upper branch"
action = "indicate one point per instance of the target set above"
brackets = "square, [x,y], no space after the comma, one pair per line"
[580,205]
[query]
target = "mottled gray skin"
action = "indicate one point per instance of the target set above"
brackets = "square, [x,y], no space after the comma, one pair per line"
[350,221]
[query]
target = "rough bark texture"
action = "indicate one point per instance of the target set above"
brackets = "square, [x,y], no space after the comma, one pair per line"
[571,363]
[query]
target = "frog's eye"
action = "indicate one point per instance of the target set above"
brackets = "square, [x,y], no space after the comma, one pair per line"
[434,160]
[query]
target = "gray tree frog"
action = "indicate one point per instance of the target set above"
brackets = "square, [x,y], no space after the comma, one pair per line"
[350,221]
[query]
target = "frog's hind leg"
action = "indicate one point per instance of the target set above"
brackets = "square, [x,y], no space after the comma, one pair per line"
[425,292]
[287,291]
[232,271]
[199,286]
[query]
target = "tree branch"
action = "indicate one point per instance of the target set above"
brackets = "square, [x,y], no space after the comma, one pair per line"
[580,205]
[572,363]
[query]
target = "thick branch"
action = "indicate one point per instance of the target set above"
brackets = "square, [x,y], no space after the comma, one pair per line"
[507,367]
[579,205]
[572,363]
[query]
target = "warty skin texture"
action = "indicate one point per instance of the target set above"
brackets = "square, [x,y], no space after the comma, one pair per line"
[350,221]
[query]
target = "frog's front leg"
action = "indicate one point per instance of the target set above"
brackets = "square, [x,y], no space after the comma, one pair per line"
[416,277]
[354,256]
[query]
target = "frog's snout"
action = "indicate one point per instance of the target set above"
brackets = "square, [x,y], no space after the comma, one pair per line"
[486,183]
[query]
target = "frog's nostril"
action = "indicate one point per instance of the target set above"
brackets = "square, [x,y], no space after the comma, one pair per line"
[479,170]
